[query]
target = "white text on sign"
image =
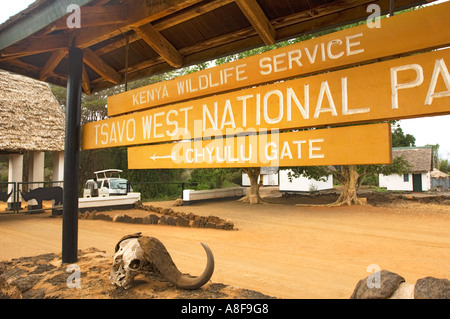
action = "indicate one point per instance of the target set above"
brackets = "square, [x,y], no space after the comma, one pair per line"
[408,87]
[362,144]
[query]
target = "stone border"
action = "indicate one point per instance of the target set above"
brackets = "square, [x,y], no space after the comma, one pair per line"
[162,216]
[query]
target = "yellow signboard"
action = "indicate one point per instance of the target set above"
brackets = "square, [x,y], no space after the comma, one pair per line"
[412,86]
[362,144]
[408,32]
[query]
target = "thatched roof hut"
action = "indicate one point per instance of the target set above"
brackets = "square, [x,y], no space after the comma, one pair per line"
[420,158]
[435,173]
[31,118]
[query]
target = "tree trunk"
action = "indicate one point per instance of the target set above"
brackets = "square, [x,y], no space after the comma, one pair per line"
[253,195]
[349,182]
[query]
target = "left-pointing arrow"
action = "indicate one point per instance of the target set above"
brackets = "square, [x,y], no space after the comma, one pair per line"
[155,157]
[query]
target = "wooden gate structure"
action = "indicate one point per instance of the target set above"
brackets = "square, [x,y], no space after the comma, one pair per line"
[88,45]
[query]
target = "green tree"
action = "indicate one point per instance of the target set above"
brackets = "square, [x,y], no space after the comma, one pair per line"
[350,177]
[211,178]
[444,166]
[399,138]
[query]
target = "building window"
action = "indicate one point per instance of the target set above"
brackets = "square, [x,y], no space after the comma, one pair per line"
[406,177]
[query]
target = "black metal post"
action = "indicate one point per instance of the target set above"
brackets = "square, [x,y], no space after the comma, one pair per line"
[71,158]
[391,8]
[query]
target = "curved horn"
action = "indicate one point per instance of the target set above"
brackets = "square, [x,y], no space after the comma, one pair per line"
[158,255]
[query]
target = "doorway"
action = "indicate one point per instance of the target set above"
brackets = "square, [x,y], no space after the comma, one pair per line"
[417,182]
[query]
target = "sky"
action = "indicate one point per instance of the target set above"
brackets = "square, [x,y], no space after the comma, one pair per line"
[426,130]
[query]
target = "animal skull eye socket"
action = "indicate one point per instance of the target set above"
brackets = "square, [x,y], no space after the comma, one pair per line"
[134,264]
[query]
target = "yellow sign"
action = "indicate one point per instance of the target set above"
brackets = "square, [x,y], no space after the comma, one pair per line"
[412,86]
[362,144]
[408,32]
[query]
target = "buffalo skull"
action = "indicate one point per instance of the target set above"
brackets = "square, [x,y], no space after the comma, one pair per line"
[136,254]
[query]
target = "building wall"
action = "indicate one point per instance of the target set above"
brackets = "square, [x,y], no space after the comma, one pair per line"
[303,184]
[268,180]
[443,183]
[397,182]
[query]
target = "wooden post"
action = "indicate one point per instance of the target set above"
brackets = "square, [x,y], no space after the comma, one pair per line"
[71,158]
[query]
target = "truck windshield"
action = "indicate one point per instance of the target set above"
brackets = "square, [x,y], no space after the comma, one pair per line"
[118,183]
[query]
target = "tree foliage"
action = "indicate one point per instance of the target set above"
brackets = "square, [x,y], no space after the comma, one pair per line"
[399,138]
[211,178]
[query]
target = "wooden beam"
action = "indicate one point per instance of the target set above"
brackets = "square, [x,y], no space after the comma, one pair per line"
[101,67]
[258,19]
[138,12]
[143,11]
[160,44]
[120,42]
[327,16]
[189,14]
[85,82]
[166,23]
[51,64]
[34,45]
[92,16]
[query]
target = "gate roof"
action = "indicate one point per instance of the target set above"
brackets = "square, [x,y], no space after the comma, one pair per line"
[160,34]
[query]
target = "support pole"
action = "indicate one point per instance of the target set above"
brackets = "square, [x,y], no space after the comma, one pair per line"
[71,157]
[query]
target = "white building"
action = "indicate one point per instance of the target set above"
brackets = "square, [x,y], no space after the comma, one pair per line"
[419,178]
[272,176]
[269,177]
[303,184]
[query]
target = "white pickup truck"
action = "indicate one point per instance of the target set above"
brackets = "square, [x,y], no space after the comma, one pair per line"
[106,183]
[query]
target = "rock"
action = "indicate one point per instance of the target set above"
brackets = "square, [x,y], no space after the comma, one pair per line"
[34,294]
[138,220]
[26,283]
[167,220]
[432,288]
[102,217]
[166,211]
[213,219]
[178,202]
[181,221]
[42,268]
[127,219]
[388,284]
[199,222]
[118,218]
[229,224]
[404,291]
[154,219]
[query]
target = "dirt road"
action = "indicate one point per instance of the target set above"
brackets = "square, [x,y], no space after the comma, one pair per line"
[280,250]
